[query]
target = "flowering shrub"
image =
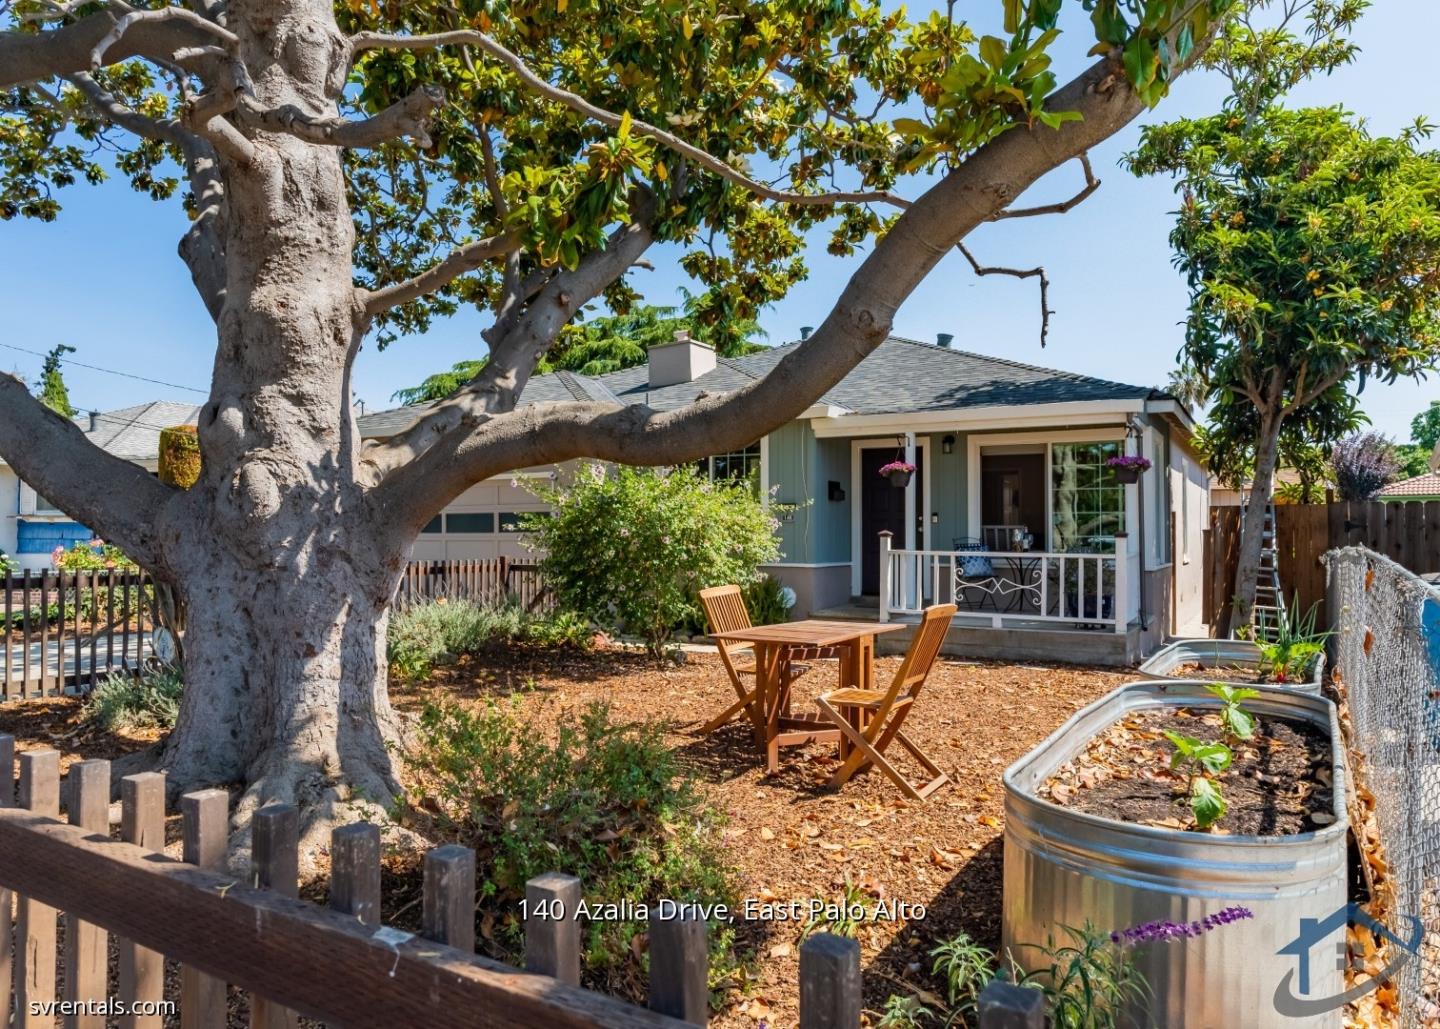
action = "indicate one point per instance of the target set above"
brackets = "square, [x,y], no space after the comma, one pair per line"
[96,554]
[896,466]
[7,564]
[1130,461]
[633,548]
[1363,465]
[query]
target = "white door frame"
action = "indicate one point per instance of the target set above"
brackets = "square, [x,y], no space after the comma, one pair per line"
[857,554]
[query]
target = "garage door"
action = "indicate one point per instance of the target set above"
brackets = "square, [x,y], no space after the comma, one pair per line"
[482,523]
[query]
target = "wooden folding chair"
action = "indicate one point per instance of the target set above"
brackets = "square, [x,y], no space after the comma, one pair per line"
[725,611]
[870,720]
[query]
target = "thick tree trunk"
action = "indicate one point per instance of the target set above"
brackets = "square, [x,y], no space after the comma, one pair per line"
[1252,522]
[285,577]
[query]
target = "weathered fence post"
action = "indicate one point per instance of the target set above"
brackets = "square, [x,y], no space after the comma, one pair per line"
[86,947]
[355,871]
[679,966]
[829,982]
[142,822]
[552,926]
[449,897]
[205,816]
[7,799]
[274,865]
[1004,1005]
[35,922]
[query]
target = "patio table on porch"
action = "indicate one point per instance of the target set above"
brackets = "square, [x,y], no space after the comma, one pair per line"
[774,646]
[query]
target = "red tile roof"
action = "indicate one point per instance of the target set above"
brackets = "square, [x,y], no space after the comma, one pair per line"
[1427,485]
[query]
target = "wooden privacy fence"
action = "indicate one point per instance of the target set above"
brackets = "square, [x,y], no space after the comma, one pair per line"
[1407,533]
[63,632]
[493,582]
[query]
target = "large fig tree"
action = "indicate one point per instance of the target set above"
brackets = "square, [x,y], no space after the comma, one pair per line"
[364,168]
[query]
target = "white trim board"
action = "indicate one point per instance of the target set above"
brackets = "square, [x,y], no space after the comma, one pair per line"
[1006,416]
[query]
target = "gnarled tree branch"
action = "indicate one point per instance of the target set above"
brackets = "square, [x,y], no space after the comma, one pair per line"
[36,56]
[469,37]
[408,117]
[1019,273]
[201,247]
[513,355]
[1091,185]
[51,454]
[460,261]
[163,15]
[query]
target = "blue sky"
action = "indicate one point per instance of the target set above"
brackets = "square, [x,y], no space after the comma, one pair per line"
[105,278]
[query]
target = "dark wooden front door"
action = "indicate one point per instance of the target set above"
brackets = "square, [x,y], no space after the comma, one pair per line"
[882,506]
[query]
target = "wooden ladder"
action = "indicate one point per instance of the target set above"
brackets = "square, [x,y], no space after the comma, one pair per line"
[1267,614]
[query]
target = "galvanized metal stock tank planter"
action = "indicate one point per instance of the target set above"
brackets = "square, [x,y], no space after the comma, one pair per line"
[1064,867]
[1221,654]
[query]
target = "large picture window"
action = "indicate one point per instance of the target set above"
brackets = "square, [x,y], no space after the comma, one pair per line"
[1087,504]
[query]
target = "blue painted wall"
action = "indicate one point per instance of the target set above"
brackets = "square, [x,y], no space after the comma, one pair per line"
[43,537]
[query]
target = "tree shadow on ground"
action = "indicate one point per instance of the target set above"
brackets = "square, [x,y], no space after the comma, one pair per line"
[968,903]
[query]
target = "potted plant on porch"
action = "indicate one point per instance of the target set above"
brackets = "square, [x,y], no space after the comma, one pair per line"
[898,472]
[1129,467]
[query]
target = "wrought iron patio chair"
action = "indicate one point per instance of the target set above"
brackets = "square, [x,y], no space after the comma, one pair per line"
[870,720]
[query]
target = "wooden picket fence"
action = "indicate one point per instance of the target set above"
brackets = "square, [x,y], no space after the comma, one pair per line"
[1407,533]
[338,965]
[62,632]
[492,582]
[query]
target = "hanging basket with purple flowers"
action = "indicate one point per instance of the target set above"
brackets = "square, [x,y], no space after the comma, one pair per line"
[898,472]
[1129,468]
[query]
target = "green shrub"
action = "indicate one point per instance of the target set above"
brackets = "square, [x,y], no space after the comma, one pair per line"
[438,633]
[604,801]
[633,548]
[148,701]
[768,601]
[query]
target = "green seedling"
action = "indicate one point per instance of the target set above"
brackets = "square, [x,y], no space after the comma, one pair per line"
[1199,761]
[1235,721]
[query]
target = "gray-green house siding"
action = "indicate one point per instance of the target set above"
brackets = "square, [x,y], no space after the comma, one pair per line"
[801,468]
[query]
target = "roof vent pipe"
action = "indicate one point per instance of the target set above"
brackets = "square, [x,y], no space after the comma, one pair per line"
[805,331]
[944,339]
[94,420]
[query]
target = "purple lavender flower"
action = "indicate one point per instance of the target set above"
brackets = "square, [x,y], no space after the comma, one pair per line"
[1151,932]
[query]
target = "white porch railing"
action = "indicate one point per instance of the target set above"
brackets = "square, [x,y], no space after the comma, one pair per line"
[1011,588]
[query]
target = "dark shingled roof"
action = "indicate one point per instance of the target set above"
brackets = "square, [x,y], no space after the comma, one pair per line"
[902,375]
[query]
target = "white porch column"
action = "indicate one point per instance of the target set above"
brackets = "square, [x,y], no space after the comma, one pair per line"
[911,584]
[911,502]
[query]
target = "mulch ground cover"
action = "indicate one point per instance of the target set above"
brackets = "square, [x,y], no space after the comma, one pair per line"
[789,837]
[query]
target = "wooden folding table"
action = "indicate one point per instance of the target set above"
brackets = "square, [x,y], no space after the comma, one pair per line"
[774,646]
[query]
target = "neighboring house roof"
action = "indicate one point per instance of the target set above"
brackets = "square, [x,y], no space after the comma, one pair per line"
[1427,485]
[134,432]
[900,376]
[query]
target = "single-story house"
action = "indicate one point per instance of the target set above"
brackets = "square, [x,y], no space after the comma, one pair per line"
[31,527]
[1012,512]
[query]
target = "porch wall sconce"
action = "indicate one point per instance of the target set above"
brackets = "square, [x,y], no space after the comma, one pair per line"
[947,445]
[835,491]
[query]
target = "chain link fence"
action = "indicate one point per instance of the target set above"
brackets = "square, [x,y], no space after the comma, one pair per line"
[1387,657]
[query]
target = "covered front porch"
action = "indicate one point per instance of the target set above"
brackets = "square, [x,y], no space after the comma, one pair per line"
[1047,553]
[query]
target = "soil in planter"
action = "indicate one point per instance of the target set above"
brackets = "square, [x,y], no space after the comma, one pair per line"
[1234,673]
[1279,784]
